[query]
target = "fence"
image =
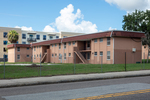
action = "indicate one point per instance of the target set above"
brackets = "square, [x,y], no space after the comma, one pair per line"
[46,69]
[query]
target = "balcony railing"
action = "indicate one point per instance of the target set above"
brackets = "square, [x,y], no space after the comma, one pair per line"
[32,39]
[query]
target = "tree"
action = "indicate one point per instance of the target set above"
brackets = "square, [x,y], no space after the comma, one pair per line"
[138,21]
[13,36]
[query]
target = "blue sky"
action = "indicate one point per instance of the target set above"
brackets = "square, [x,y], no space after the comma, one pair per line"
[85,16]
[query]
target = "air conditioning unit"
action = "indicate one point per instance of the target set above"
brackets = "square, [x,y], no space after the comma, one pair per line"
[133,49]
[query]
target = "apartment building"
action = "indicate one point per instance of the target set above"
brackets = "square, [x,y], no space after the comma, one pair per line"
[27,37]
[107,47]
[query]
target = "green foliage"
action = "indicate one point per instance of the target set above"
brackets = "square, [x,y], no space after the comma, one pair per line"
[13,36]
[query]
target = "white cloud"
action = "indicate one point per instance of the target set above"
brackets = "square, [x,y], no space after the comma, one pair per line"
[48,28]
[25,28]
[110,28]
[72,22]
[131,5]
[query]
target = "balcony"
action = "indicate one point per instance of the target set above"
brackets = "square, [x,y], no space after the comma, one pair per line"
[31,39]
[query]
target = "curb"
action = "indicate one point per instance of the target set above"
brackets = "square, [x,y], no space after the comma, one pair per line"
[70,78]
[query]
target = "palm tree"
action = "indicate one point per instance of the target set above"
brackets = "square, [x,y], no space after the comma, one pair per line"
[13,36]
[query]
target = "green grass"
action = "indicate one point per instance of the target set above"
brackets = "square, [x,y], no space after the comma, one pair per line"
[66,69]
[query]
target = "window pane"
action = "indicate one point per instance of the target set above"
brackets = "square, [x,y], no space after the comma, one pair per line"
[108,41]
[101,39]
[95,53]
[23,36]
[44,37]
[108,54]
[95,40]
[101,53]
[5,34]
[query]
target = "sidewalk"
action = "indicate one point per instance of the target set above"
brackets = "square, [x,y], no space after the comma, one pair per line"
[70,78]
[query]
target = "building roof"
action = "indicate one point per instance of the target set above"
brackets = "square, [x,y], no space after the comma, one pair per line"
[113,33]
[18,45]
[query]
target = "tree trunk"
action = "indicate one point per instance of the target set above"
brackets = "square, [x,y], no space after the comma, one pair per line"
[148,54]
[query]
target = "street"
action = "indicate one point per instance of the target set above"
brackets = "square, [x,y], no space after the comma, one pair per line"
[135,88]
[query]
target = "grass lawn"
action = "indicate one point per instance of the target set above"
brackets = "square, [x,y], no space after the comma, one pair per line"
[65,69]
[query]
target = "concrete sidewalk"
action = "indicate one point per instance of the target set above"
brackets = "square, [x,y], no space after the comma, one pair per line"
[70,78]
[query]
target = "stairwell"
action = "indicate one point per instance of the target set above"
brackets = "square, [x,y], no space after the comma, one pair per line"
[42,60]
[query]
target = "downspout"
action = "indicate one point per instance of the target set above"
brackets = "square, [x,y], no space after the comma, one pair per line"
[31,53]
[113,45]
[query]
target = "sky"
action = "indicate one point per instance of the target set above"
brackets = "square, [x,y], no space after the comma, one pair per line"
[83,16]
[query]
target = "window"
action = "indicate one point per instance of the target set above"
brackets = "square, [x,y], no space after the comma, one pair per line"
[23,36]
[88,44]
[5,42]
[5,56]
[69,43]
[5,34]
[37,55]
[108,41]
[50,37]
[27,48]
[60,56]
[101,39]
[95,40]
[27,56]
[69,54]
[18,49]
[57,37]
[4,49]
[38,37]
[101,53]
[88,55]
[52,45]
[95,53]
[34,57]
[44,37]
[149,53]
[17,42]
[108,55]
[55,54]
[34,48]
[37,47]
[55,45]
[65,56]
[64,45]
[23,42]
[74,42]
[18,57]
[52,55]
[64,36]
[59,46]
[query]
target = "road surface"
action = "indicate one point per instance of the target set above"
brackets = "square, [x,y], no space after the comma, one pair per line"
[135,88]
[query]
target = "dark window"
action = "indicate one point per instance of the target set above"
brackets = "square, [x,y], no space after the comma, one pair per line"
[44,37]
[5,34]
[108,55]
[60,56]
[88,44]
[59,46]
[38,37]
[101,53]
[52,55]
[57,37]
[55,54]
[17,42]
[50,37]
[108,41]
[28,56]
[55,45]
[95,53]
[23,36]
[18,49]
[18,57]
[74,42]
[6,56]
[64,55]
[69,54]
[64,45]
[23,42]
[4,49]
[64,36]
[101,39]
[27,48]
[69,43]
[88,55]
[5,42]
[95,40]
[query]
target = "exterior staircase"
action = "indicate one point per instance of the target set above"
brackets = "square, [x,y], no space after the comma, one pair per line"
[42,60]
[78,53]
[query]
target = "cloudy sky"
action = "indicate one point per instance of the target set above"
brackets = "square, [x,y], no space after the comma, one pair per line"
[85,16]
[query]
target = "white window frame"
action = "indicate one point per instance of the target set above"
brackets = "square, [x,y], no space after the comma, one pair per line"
[18,49]
[108,55]
[59,46]
[69,54]
[95,53]
[108,41]
[101,53]
[64,56]
[101,39]
[64,45]
[18,57]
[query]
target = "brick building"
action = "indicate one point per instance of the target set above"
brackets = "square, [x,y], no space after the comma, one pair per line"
[108,46]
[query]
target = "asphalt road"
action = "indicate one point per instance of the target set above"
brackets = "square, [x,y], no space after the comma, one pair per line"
[135,88]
